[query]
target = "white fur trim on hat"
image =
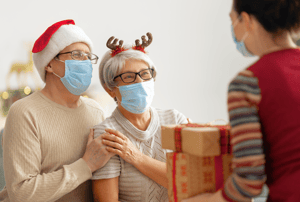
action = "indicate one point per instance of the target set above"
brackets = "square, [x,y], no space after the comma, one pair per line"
[63,37]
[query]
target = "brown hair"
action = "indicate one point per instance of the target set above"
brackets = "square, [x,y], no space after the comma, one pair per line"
[273,15]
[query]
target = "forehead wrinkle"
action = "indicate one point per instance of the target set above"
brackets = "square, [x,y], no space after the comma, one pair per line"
[141,63]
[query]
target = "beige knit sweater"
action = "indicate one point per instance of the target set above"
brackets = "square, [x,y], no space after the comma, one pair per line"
[43,143]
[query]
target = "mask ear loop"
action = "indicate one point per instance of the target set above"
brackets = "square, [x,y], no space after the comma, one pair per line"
[235,23]
[56,75]
[237,20]
[245,36]
[60,61]
[56,58]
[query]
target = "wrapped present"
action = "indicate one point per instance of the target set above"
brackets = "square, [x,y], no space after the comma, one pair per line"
[197,139]
[190,175]
[202,161]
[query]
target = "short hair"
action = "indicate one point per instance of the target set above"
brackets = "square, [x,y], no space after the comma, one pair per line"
[273,15]
[110,67]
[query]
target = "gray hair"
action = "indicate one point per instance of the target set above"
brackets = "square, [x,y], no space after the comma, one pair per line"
[112,66]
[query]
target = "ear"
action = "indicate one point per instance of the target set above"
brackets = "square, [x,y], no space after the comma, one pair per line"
[48,68]
[110,92]
[248,21]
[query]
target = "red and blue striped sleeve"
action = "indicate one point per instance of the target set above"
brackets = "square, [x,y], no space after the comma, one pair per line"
[248,161]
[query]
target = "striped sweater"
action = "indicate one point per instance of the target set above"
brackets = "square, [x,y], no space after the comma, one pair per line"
[264,112]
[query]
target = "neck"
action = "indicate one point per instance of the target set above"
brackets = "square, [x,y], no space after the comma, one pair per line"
[56,91]
[140,121]
[272,43]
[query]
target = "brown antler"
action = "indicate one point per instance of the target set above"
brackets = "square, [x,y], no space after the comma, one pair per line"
[137,42]
[145,42]
[113,45]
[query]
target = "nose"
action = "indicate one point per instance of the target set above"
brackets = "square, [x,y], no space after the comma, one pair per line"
[138,79]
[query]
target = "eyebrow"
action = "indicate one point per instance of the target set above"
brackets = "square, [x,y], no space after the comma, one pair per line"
[135,72]
[80,51]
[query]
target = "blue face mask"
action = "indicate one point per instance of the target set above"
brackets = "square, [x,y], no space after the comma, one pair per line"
[78,75]
[137,98]
[240,45]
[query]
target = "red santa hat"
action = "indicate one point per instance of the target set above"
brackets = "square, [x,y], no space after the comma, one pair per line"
[55,39]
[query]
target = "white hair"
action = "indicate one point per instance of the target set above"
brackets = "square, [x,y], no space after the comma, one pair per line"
[112,66]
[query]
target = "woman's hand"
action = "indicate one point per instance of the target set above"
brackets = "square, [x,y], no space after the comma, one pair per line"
[119,144]
[207,197]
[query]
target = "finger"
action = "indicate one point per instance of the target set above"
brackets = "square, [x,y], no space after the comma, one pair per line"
[115,151]
[112,144]
[91,136]
[115,132]
[113,138]
[101,136]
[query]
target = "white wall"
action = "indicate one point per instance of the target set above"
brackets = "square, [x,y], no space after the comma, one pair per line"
[192,46]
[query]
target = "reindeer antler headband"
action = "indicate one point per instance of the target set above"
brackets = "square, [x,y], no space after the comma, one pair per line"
[145,43]
[118,48]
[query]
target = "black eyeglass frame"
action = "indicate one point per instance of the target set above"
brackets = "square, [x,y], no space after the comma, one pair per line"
[136,73]
[94,61]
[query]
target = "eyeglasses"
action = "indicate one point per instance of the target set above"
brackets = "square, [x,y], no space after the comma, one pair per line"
[129,77]
[79,55]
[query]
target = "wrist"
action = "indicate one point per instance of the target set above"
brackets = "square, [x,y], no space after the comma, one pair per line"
[223,196]
[138,160]
[89,165]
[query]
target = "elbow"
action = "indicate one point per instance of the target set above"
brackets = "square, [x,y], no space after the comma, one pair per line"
[258,190]
[17,193]
[19,197]
[255,186]
[165,183]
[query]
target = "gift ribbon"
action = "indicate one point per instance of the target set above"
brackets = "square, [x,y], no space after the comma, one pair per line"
[219,172]
[224,139]
[178,144]
[174,177]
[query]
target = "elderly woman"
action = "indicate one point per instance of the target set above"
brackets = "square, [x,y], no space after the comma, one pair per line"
[138,171]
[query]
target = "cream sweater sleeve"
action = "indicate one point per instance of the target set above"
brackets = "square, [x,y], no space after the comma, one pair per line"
[22,163]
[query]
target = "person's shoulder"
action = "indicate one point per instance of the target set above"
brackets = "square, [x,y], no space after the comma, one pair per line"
[267,63]
[92,103]
[109,122]
[166,111]
[245,74]
[29,104]
[100,128]
[170,116]
[245,81]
